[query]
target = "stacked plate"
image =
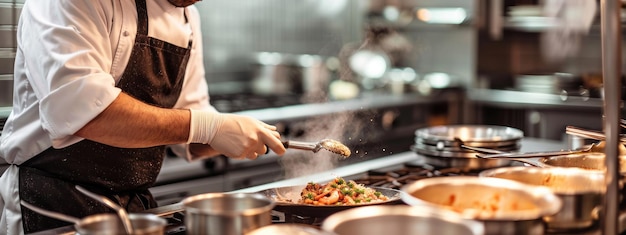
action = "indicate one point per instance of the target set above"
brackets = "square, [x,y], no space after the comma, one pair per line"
[441,145]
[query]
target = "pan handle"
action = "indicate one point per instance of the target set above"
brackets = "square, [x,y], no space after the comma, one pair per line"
[50,214]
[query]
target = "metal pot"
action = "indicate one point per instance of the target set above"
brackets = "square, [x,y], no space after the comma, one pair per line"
[581,192]
[503,206]
[588,161]
[399,220]
[101,224]
[104,224]
[288,74]
[289,229]
[226,214]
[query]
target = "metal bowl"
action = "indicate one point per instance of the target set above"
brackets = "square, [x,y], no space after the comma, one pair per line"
[504,206]
[581,192]
[400,220]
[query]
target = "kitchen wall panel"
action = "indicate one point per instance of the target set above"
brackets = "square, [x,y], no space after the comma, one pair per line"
[233,30]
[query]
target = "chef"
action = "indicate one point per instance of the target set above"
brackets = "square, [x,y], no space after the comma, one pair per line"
[101,89]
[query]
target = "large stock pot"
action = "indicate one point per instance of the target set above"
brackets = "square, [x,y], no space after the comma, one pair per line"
[503,206]
[581,192]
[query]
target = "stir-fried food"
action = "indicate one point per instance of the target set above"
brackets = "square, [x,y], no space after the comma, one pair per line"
[340,192]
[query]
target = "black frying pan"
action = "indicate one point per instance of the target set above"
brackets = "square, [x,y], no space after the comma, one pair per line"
[279,195]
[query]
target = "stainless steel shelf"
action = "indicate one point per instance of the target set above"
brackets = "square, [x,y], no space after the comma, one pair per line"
[511,98]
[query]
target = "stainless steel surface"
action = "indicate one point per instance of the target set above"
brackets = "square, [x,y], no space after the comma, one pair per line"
[581,192]
[6,90]
[610,14]
[226,213]
[121,212]
[400,220]
[289,229]
[503,206]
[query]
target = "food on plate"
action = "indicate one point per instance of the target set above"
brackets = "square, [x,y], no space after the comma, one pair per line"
[339,192]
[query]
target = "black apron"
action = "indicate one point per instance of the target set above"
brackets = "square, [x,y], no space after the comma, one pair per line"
[154,74]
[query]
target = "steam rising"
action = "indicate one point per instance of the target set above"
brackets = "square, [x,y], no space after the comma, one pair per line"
[346,127]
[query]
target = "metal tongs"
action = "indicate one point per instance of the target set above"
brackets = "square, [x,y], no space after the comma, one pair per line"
[327,144]
[589,148]
[593,134]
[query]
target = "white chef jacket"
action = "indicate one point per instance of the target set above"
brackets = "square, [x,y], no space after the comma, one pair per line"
[70,55]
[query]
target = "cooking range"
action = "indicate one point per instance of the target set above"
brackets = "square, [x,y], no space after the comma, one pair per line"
[393,171]
[394,177]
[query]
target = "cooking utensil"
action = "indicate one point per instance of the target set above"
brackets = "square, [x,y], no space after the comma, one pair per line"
[440,146]
[51,214]
[453,159]
[529,161]
[289,74]
[331,145]
[289,229]
[590,134]
[503,206]
[581,192]
[120,211]
[400,220]
[588,148]
[226,213]
[286,199]
[143,224]
[470,134]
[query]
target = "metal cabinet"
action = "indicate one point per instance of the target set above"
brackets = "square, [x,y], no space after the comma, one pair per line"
[9,14]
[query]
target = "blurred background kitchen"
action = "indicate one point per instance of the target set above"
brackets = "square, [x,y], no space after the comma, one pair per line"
[370,72]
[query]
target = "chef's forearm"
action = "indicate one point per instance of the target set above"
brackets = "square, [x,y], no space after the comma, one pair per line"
[130,123]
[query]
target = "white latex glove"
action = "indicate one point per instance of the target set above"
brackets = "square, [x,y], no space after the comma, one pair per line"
[235,136]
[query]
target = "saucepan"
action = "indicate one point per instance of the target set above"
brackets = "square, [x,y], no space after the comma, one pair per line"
[286,199]
[503,206]
[289,229]
[400,220]
[581,192]
[226,213]
[101,224]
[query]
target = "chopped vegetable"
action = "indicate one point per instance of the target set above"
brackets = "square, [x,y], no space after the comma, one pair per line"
[340,192]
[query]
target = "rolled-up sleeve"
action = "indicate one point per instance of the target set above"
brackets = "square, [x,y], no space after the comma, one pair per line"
[68,58]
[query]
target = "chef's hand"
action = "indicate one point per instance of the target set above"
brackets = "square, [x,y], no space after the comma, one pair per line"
[235,136]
